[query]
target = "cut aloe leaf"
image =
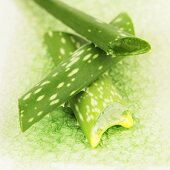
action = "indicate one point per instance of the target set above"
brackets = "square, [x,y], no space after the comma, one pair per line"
[107,37]
[60,45]
[100,106]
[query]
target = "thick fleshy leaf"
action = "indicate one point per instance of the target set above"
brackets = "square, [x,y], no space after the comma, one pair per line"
[66,80]
[60,45]
[107,37]
[99,108]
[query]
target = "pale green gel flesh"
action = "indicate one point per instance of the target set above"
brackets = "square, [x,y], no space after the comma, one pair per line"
[114,114]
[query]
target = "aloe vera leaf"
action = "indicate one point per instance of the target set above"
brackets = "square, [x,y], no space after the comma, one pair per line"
[66,80]
[61,45]
[56,41]
[101,106]
[107,37]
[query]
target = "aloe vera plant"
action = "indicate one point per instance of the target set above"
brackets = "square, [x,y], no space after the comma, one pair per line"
[99,106]
[107,37]
[66,80]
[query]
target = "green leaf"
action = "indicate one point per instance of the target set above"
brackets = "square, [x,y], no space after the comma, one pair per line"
[107,37]
[99,108]
[67,79]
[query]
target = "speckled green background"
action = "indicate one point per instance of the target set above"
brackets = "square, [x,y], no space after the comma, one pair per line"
[143,81]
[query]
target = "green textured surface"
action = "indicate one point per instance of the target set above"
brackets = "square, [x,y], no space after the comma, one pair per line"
[144,84]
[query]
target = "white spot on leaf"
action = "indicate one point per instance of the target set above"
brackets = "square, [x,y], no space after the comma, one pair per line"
[27,96]
[89,61]
[89,118]
[60,85]
[62,51]
[67,69]
[68,85]
[95,56]
[87,57]
[93,102]
[81,51]
[63,40]
[73,79]
[40,98]
[39,113]
[44,83]
[50,33]
[73,60]
[89,49]
[123,35]
[78,45]
[53,97]
[30,120]
[72,39]
[55,74]
[73,72]
[38,90]
[81,117]
[54,102]
[72,93]
[100,67]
